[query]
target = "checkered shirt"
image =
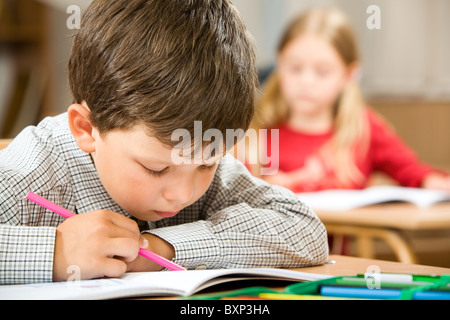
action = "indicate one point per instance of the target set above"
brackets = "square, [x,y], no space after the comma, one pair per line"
[240,221]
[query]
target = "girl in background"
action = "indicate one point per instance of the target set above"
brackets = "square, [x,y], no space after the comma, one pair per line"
[328,137]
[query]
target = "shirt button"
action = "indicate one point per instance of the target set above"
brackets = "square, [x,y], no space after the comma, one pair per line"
[201,267]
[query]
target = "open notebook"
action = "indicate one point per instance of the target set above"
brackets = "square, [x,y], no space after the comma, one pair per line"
[170,283]
[341,200]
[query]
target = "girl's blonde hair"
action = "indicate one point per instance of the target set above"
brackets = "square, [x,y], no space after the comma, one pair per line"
[350,134]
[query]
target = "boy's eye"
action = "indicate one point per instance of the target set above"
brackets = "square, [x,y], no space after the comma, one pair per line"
[162,172]
[204,167]
[156,173]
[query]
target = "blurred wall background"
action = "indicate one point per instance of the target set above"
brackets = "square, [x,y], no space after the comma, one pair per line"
[408,56]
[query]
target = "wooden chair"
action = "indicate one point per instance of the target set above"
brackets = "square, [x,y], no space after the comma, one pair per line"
[365,237]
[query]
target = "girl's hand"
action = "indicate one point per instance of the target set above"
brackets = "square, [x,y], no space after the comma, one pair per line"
[436,181]
[280,179]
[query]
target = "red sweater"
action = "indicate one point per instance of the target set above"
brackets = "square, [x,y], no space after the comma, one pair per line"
[387,153]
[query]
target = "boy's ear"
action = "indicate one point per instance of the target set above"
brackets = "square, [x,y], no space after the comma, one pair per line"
[81,127]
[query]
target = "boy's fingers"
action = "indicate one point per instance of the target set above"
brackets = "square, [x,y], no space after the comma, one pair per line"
[126,224]
[114,268]
[118,232]
[119,226]
[123,222]
[124,248]
[143,242]
[127,249]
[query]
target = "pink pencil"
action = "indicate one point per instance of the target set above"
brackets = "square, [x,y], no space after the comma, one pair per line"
[67,214]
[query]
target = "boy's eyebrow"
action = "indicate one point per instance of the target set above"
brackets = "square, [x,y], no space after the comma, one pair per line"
[145,161]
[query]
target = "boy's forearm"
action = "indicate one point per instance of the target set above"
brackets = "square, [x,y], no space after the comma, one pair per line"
[251,237]
[26,254]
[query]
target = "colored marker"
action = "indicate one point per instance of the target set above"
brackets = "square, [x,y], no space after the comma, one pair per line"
[399,278]
[361,293]
[364,293]
[388,277]
[431,295]
[279,296]
[384,285]
[67,214]
[242,298]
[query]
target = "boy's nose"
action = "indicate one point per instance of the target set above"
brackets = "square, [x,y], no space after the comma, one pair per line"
[179,192]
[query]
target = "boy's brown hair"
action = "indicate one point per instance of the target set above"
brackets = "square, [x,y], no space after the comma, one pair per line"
[164,64]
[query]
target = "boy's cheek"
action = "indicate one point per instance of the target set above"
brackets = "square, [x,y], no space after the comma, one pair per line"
[135,203]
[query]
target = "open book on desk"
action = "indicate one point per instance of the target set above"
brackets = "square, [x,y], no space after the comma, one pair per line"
[147,284]
[343,200]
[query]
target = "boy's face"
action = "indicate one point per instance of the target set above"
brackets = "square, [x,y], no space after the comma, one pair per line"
[138,172]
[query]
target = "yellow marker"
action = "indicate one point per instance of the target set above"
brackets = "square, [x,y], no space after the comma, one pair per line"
[275,296]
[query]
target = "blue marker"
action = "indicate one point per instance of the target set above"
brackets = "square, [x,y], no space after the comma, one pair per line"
[360,293]
[365,293]
[431,295]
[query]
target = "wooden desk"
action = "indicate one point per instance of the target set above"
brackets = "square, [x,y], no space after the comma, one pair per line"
[385,222]
[351,266]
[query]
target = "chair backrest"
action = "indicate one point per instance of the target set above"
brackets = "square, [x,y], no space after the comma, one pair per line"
[4,143]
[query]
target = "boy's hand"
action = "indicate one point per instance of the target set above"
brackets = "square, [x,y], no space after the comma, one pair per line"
[99,243]
[156,245]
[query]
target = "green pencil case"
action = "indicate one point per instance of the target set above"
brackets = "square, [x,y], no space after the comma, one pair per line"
[422,288]
[358,287]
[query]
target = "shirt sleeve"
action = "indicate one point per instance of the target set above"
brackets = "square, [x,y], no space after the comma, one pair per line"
[243,222]
[26,253]
[393,157]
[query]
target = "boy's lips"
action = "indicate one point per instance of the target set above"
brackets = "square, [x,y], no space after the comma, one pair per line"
[166,214]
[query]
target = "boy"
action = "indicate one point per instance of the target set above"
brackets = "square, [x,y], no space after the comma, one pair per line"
[140,70]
